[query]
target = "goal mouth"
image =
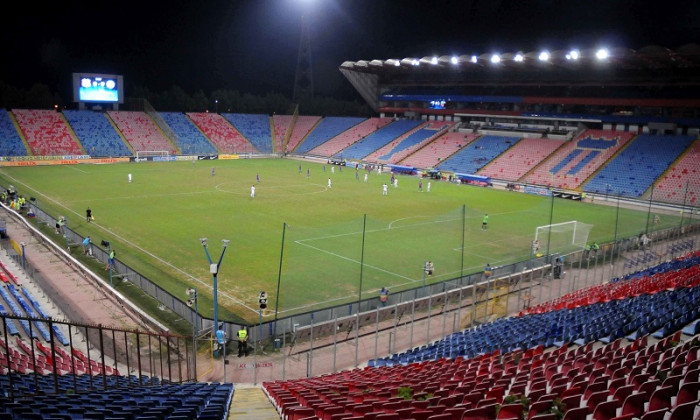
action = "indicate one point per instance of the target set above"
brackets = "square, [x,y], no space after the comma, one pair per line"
[561,238]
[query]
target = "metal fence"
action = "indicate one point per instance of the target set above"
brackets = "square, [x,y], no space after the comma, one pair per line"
[93,357]
[454,304]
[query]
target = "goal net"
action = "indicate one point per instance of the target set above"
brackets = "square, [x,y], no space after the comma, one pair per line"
[561,237]
[151,153]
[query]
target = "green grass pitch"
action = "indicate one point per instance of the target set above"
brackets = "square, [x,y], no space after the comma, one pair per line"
[155,222]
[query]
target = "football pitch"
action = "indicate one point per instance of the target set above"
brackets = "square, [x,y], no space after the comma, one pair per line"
[320,245]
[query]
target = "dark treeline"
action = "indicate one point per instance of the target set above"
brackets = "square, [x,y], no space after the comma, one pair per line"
[40,96]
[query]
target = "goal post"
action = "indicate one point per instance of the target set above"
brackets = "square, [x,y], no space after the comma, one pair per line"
[561,237]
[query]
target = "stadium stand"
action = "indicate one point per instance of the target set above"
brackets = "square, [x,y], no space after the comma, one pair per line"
[636,167]
[98,136]
[632,378]
[282,124]
[302,127]
[350,137]
[484,372]
[47,132]
[377,139]
[189,139]
[478,154]
[10,142]
[327,129]
[438,150]
[255,128]
[224,136]
[574,162]
[158,400]
[409,142]
[141,132]
[681,183]
[520,159]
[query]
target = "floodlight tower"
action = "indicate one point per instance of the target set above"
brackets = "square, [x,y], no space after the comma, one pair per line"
[303,79]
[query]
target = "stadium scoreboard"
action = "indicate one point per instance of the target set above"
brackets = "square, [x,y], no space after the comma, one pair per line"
[98,88]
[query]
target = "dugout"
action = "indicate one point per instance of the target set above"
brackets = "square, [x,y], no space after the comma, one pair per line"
[404,170]
[483,181]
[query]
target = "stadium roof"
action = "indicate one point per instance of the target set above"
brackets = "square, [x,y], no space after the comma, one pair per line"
[652,57]
[650,66]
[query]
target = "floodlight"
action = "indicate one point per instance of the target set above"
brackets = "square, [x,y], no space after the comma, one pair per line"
[474,59]
[602,54]
[544,56]
[454,60]
[519,58]
[434,60]
[225,242]
[203,241]
[495,59]
[415,62]
[573,55]
[397,63]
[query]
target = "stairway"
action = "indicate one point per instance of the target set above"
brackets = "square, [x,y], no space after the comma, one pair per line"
[251,404]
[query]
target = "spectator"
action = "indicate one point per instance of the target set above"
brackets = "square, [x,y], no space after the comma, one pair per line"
[87,249]
[110,261]
[487,271]
[242,342]
[383,296]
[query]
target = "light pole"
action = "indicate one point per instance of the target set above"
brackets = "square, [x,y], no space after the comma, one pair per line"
[192,293]
[214,270]
[216,104]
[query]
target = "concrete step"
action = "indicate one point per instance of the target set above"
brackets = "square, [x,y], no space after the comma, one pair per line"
[251,403]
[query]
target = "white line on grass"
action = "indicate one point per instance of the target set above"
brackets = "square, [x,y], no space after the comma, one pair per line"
[121,238]
[75,168]
[354,261]
[275,187]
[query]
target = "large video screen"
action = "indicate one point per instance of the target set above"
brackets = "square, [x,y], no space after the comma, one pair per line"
[102,88]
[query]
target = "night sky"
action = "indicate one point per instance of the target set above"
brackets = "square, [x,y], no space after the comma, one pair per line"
[252,45]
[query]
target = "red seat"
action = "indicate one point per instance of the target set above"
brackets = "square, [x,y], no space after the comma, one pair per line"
[673,381]
[511,412]
[623,392]
[443,416]
[649,386]
[538,407]
[550,416]
[406,413]
[661,399]
[480,413]
[421,414]
[298,413]
[455,412]
[687,393]
[606,410]
[624,417]
[634,404]
[683,411]
[387,416]
[579,413]
[593,388]
[655,415]
[595,399]
[572,401]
